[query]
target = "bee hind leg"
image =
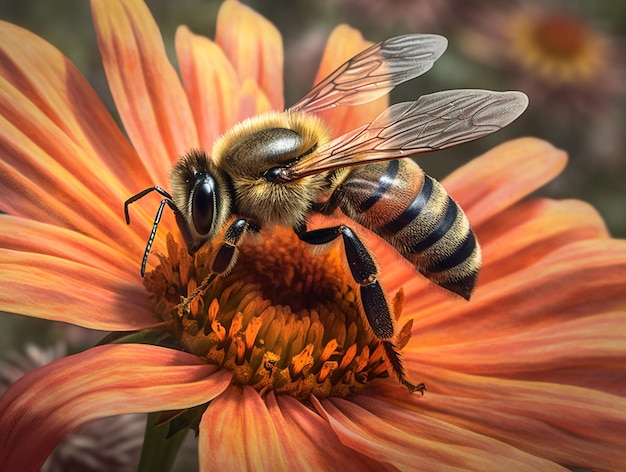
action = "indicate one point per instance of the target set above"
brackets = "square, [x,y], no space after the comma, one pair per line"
[375,305]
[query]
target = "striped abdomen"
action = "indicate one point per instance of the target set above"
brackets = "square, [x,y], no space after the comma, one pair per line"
[413,212]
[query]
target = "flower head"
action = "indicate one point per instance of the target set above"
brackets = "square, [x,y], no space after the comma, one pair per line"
[274,357]
[556,55]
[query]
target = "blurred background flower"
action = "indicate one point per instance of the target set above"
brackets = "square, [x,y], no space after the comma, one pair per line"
[568,57]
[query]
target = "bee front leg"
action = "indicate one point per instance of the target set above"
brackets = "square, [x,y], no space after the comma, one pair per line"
[225,258]
[375,305]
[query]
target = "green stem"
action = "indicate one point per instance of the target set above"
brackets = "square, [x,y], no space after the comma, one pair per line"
[159,452]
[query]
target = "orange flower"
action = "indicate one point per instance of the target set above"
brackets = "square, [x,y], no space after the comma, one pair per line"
[528,375]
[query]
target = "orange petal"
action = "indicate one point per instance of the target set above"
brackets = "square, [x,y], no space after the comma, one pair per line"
[344,43]
[146,89]
[29,236]
[388,433]
[42,190]
[587,351]
[237,432]
[211,84]
[58,186]
[502,176]
[252,100]
[44,405]
[528,231]
[308,441]
[54,167]
[254,47]
[580,427]
[48,100]
[581,279]
[51,288]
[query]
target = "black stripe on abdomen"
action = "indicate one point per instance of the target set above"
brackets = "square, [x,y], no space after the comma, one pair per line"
[460,255]
[413,210]
[384,183]
[440,230]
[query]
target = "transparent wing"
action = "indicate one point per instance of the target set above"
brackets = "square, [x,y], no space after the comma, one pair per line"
[374,72]
[435,121]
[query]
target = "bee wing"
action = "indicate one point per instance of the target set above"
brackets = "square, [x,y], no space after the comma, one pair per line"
[435,121]
[374,72]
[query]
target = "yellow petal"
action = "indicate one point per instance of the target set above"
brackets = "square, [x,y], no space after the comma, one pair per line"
[254,47]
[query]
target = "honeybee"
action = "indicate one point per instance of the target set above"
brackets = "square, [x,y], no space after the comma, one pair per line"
[278,168]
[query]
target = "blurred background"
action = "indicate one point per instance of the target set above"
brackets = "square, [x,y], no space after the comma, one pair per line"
[567,56]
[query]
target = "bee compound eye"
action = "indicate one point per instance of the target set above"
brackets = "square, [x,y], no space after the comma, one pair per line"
[203,205]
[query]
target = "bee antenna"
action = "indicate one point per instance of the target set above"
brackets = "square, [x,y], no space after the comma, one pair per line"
[157,220]
[142,194]
[166,201]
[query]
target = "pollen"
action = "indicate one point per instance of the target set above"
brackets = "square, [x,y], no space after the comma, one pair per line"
[285,319]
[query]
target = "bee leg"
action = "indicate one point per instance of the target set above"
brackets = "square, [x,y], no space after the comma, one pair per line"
[364,272]
[225,257]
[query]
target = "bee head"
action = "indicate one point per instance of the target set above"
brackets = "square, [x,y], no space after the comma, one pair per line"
[201,192]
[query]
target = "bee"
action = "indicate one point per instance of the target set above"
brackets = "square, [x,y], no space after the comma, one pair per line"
[279,168]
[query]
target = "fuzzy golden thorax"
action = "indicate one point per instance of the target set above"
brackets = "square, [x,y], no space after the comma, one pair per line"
[260,143]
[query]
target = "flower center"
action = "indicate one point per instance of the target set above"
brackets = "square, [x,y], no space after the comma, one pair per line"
[560,35]
[285,318]
[557,47]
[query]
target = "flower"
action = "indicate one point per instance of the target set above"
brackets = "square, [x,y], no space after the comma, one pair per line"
[110,443]
[527,375]
[553,53]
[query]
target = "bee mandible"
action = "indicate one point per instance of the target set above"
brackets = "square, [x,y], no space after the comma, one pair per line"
[278,168]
